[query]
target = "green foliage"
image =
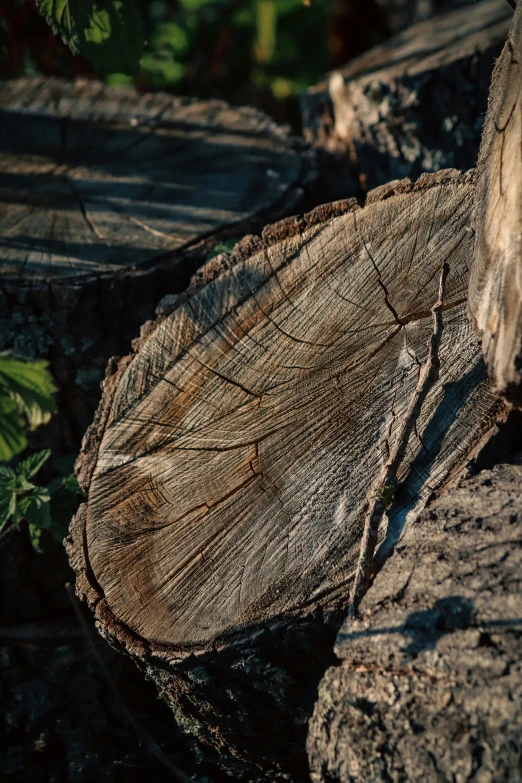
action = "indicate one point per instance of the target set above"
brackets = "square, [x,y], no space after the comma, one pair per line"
[387,494]
[259,45]
[226,246]
[26,399]
[41,507]
[109,33]
[244,51]
[21,499]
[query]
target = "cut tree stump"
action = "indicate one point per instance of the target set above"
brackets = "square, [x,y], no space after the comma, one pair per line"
[415,103]
[429,685]
[230,460]
[111,199]
[495,292]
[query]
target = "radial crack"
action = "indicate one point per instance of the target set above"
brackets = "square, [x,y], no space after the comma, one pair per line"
[384,490]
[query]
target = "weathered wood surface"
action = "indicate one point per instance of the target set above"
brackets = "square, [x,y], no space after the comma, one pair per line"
[429,682]
[228,467]
[110,199]
[412,104]
[495,292]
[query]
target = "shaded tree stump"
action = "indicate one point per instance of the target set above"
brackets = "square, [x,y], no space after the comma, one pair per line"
[429,686]
[229,463]
[495,291]
[111,199]
[414,103]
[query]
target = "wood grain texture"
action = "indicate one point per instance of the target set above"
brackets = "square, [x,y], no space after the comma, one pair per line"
[111,199]
[427,685]
[240,440]
[495,291]
[97,178]
[230,461]
[414,103]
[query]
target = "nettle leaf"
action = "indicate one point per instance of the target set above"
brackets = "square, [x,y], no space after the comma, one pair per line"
[30,385]
[70,483]
[62,20]
[31,465]
[12,436]
[7,475]
[11,512]
[35,508]
[108,32]
[35,534]
[21,484]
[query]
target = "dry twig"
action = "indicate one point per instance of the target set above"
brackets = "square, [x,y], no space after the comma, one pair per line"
[386,486]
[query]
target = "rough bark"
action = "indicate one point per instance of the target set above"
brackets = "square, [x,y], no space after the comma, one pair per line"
[429,682]
[110,199]
[412,104]
[495,292]
[228,467]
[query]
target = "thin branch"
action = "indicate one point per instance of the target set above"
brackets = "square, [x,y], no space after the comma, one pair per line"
[140,730]
[384,490]
[512,4]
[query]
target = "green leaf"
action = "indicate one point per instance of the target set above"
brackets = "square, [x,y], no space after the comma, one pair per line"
[70,483]
[5,510]
[35,508]
[226,246]
[11,514]
[108,32]
[12,436]
[62,21]
[7,474]
[21,484]
[30,385]
[31,465]
[35,534]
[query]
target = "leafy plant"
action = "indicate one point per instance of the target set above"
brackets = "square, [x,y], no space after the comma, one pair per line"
[21,499]
[26,400]
[109,33]
[41,507]
[226,246]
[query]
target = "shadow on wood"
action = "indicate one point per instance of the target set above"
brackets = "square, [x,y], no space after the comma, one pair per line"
[110,199]
[414,103]
[428,684]
[229,463]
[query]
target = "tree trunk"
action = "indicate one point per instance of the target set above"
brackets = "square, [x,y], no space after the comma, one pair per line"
[111,199]
[495,292]
[230,460]
[428,686]
[412,104]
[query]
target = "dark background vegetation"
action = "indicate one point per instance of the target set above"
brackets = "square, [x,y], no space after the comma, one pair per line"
[257,52]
